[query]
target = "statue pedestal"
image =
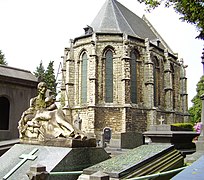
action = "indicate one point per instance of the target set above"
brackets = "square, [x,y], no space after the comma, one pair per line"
[61,142]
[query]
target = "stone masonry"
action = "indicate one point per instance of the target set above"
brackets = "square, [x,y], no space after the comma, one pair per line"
[160,83]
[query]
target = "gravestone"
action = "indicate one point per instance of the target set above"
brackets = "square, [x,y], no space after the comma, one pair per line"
[143,160]
[78,122]
[47,137]
[107,134]
[55,159]
[127,140]
[180,138]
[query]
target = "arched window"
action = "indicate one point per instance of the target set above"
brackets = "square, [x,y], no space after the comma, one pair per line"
[4,113]
[133,77]
[109,76]
[84,78]
[156,76]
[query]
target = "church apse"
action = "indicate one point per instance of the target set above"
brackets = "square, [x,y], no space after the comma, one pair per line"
[127,82]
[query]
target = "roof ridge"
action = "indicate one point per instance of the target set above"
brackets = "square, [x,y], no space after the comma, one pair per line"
[14,68]
[113,1]
[122,16]
[156,33]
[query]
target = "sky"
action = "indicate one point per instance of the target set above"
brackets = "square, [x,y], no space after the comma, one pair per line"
[35,30]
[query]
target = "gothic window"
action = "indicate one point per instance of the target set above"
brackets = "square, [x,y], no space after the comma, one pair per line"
[4,113]
[109,76]
[133,76]
[84,78]
[156,76]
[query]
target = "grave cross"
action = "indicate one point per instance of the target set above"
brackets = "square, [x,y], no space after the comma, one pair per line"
[24,158]
[161,120]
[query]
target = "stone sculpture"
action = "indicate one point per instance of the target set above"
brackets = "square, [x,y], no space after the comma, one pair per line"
[43,121]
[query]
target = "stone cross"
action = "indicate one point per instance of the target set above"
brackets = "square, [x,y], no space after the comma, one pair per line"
[161,120]
[24,158]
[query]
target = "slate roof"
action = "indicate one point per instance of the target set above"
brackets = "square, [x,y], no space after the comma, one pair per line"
[116,18]
[7,71]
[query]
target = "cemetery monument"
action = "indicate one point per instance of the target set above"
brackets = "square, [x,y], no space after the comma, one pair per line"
[47,137]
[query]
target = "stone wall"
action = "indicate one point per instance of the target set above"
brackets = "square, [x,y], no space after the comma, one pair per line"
[108,117]
[19,98]
[136,120]
[156,67]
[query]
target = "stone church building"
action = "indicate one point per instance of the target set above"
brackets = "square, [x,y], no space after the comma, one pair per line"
[121,74]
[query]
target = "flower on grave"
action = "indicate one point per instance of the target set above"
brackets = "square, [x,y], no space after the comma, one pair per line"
[198,127]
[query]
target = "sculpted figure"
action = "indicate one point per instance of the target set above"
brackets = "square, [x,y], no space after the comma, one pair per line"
[43,120]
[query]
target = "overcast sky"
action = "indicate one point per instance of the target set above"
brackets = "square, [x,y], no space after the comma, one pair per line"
[35,30]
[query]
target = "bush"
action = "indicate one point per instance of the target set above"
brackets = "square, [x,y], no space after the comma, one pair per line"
[187,126]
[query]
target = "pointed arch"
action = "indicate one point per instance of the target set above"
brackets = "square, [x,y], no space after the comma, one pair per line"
[4,113]
[84,64]
[109,75]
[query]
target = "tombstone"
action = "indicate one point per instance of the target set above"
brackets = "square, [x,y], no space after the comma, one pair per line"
[37,172]
[140,161]
[48,138]
[99,176]
[179,137]
[127,140]
[106,136]
[78,122]
[19,159]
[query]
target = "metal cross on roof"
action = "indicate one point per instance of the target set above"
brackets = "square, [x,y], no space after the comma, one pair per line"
[24,158]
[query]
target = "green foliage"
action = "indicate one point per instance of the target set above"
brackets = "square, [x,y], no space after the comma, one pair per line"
[184,125]
[2,59]
[195,110]
[47,76]
[40,72]
[191,11]
[50,77]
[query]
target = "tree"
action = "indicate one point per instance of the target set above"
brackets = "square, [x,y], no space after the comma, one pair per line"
[191,11]
[195,110]
[50,77]
[47,76]
[40,72]
[2,59]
